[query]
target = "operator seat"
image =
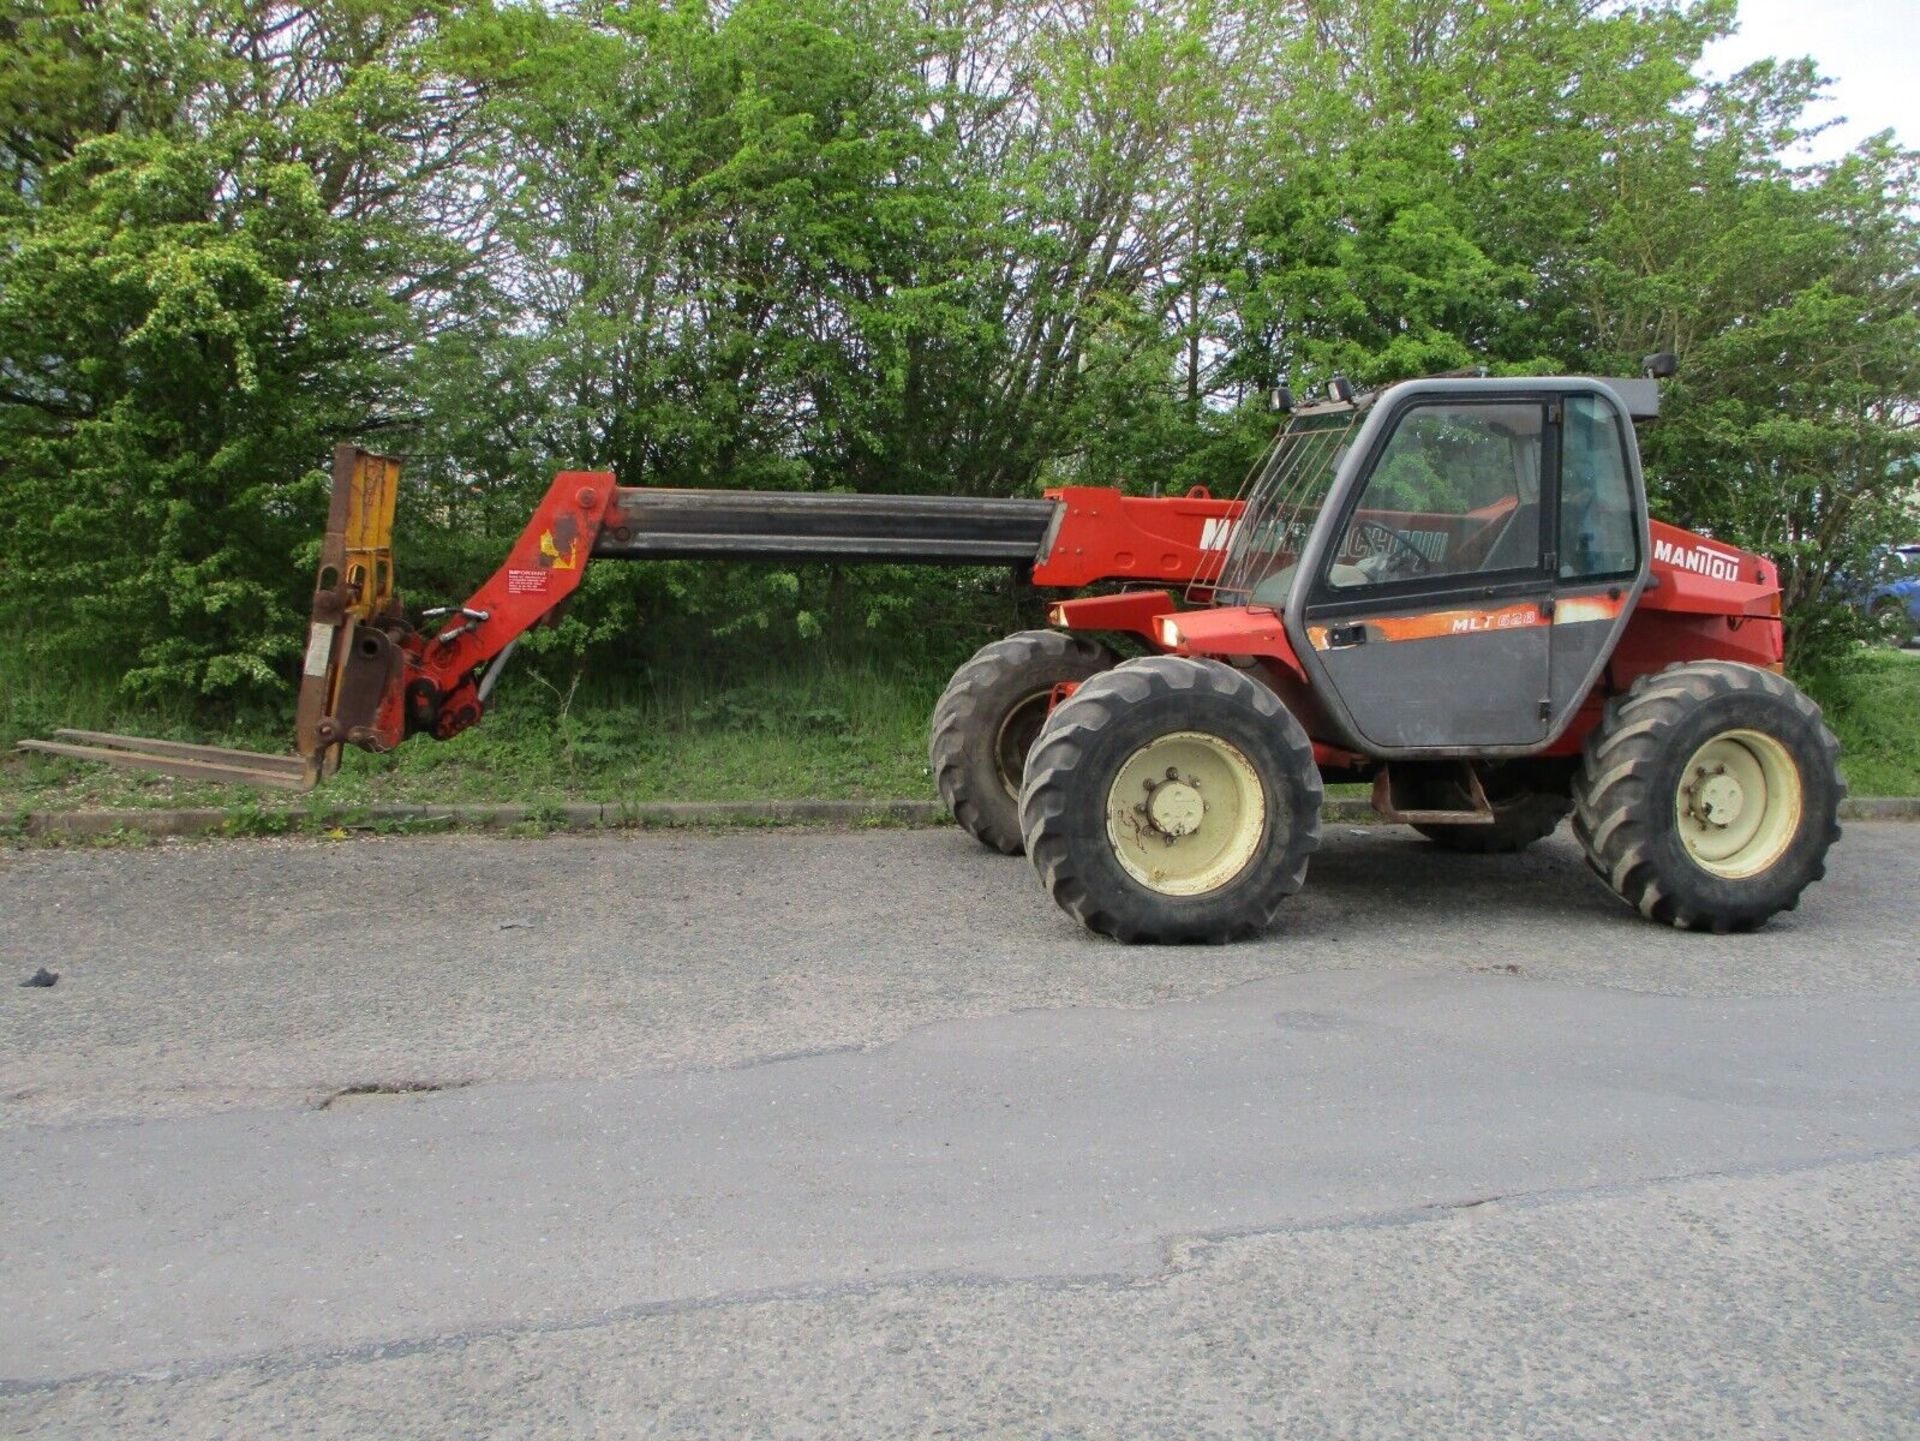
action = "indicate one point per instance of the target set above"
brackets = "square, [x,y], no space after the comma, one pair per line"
[1515,545]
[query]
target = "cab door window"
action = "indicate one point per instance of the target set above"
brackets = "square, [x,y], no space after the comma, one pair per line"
[1455,492]
[1599,535]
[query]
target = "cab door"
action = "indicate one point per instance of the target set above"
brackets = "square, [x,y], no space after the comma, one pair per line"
[1601,546]
[1430,616]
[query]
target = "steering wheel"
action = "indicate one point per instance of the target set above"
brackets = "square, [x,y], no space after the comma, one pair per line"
[1403,557]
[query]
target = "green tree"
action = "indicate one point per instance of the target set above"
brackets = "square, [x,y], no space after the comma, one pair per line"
[225,225]
[973,246]
[1543,185]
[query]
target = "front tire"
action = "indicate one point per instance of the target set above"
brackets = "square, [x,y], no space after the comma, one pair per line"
[986,721]
[1172,800]
[1709,796]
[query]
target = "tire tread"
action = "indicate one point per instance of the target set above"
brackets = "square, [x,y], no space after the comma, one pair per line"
[1615,815]
[1061,748]
[957,718]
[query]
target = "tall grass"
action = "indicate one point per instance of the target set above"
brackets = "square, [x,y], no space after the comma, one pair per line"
[37,697]
[823,723]
[1872,701]
[832,726]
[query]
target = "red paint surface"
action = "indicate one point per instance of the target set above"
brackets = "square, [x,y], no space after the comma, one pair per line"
[1706,600]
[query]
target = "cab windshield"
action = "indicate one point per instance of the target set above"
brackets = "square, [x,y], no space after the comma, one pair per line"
[1284,493]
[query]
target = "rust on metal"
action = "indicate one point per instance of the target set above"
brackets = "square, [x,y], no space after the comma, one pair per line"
[347,680]
[207,763]
[1480,814]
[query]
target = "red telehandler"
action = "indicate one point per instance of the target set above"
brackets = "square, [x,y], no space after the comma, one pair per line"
[1450,588]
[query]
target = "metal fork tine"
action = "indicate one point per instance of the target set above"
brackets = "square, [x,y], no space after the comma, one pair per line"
[174,758]
[253,760]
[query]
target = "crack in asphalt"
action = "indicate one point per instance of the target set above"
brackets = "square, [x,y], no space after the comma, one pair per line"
[377,1090]
[1181,1253]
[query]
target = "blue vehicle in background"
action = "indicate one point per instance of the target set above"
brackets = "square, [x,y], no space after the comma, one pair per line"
[1893,597]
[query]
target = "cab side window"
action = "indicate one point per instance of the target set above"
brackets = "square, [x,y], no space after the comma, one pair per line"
[1598,533]
[1454,493]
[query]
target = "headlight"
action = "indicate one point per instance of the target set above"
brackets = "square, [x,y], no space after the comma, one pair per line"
[1170,636]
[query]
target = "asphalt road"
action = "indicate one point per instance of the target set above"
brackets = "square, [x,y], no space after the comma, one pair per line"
[830,1134]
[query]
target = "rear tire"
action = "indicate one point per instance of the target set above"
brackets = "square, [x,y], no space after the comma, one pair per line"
[1172,800]
[1526,808]
[986,721]
[1709,796]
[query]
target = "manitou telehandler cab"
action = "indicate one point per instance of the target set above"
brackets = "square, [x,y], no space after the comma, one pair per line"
[1450,589]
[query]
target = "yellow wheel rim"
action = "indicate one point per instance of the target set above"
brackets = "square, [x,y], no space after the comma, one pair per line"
[1738,804]
[1186,813]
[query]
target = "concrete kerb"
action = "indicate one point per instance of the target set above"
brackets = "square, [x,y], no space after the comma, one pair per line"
[559,817]
[80,825]
[1880,808]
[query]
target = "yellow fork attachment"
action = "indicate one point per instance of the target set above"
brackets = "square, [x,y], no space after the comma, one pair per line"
[355,588]
[347,674]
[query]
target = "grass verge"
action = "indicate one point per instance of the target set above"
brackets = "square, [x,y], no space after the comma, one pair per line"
[833,730]
[829,729]
[1873,705]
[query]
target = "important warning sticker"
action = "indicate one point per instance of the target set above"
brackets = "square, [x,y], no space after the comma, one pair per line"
[529,582]
[319,648]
